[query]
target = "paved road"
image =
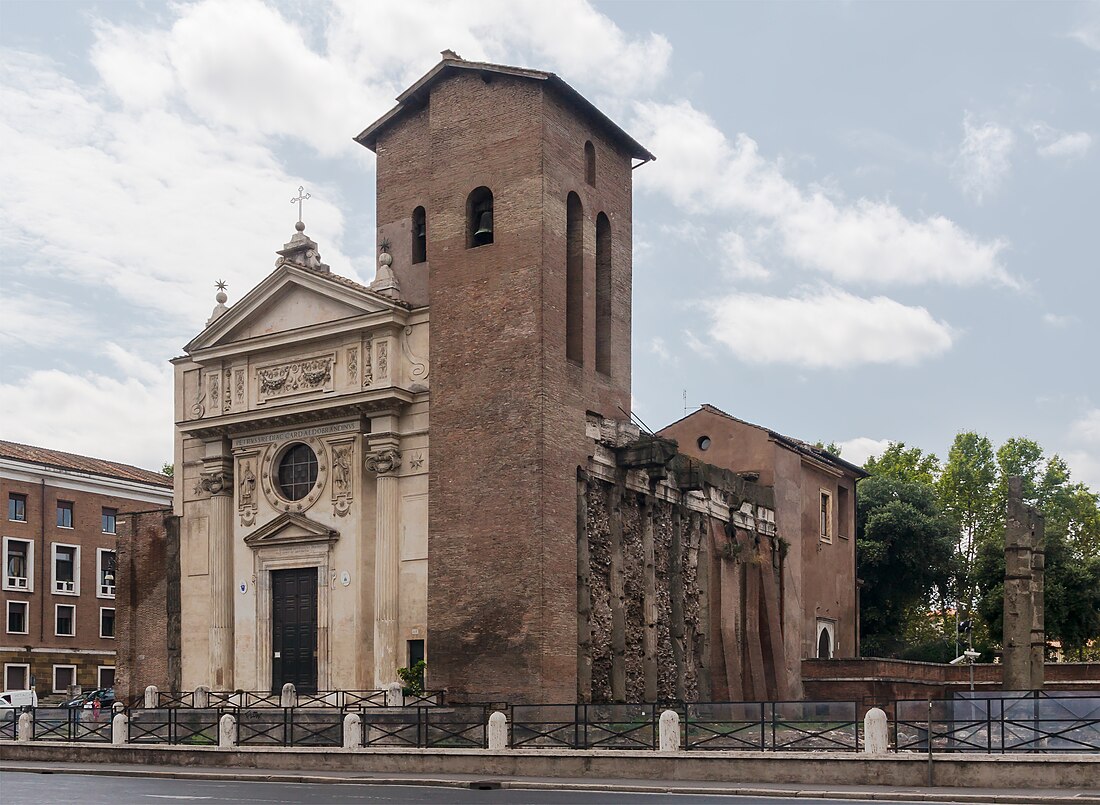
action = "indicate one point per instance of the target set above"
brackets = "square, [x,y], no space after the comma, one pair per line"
[22,788]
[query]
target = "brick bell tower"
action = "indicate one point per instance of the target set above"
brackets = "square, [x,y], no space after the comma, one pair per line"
[505,197]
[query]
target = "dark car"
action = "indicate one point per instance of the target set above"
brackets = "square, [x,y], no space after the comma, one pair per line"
[105,697]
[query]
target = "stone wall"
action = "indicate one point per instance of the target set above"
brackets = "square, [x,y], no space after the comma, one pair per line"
[879,682]
[148,594]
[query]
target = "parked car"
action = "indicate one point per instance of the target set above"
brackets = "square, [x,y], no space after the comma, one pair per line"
[18,699]
[105,697]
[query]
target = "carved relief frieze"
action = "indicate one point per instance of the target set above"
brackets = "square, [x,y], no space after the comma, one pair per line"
[343,476]
[353,364]
[246,490]
[228,402]
[418,367]
[213,387]
[383,359]
[385,461]
[198,408]
[239,387]
[294,377]
[418,460]
[367,375]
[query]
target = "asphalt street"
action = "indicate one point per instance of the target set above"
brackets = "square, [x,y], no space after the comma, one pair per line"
[17,788]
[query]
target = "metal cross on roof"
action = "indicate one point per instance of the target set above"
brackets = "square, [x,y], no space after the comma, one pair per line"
[302,196]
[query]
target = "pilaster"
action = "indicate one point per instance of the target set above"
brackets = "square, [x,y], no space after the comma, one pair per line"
[384,461]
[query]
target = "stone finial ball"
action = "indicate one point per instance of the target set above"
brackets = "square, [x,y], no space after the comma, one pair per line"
[385,259]
[300,226]
[221,297]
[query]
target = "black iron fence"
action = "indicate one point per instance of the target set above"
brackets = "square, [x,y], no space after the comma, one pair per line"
[347,700]
[426,727]
[71,724]
[1031,721]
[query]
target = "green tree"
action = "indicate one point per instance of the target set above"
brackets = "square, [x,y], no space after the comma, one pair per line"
[907,464]
[904,546]
[168,469]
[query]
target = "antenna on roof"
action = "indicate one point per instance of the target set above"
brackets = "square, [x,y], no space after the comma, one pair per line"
[685,401]
[637,421]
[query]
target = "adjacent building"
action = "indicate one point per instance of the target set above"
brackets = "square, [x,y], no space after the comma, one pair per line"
[59,563]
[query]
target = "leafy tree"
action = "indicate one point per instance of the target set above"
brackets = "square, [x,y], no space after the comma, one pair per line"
[907,464]
[904,546]
[168,469]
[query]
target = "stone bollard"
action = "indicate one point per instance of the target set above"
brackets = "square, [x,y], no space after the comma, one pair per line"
[353,731]
[201,699]
[288,697]
[394,696]
[25,727]
[227,732]
[120,729]
[876,732]
[670,732]
[118,707]
[152,699]
[498,732]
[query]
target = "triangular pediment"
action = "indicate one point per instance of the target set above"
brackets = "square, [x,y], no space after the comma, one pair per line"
[290,528]
[290,299]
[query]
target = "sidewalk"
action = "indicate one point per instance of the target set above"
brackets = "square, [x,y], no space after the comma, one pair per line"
[871,793]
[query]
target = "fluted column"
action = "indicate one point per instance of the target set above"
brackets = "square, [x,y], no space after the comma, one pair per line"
[219,484]
[385,462]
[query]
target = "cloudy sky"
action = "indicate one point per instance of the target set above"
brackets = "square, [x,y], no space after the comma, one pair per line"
[867,221]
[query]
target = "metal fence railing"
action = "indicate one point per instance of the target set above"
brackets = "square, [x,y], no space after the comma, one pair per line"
[71,724]
[1011,722]
[174,725]
[336,699]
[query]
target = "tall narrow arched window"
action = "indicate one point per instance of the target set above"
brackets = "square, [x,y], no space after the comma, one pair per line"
[574,279]
[479,218]
[419,236]
[603,294]
[590,163]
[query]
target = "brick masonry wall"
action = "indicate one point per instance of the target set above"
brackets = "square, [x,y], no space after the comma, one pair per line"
[148,624]
[508,424]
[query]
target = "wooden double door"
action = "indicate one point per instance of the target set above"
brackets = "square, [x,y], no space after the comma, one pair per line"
[294,629]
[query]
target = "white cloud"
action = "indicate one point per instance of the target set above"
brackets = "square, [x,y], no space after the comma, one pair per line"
[739,258]
[828,328]
[1087,427]
[658,348]
[1084,457]
[865,241]
[861,448]
[1054,144]
[1088,34]
[116,417]
[983,159]
[1056,320]
[697,346]
[36,321]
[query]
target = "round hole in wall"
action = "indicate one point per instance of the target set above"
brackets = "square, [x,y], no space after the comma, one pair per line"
[704,442]
[297,471]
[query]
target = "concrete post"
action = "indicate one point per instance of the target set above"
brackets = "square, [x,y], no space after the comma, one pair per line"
[25,727]
[353,731]
[385,462]
[120,729]
[394,696]
[227,732]
[876,732]
[670,732]
[118,707]
[289,696]
[201,699]
[152,698]
[498,732]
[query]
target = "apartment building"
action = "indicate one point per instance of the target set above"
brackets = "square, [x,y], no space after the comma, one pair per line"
[58,552]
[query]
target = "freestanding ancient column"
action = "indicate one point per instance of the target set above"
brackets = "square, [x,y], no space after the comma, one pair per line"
[219,483]
[1024,638]
[384,462]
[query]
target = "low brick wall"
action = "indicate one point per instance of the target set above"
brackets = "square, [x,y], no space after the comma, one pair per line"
[817,768]
[879,682]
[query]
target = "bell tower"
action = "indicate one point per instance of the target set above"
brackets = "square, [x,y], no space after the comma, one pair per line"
[505,198]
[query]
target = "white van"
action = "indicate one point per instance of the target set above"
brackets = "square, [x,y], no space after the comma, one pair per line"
[18,698]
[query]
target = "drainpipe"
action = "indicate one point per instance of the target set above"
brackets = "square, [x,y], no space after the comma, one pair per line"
[42,563]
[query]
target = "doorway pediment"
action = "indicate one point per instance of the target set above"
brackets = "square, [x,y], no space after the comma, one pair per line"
[290,528]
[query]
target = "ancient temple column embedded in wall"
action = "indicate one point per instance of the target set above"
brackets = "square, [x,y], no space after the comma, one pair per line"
[217,479]
[385,460]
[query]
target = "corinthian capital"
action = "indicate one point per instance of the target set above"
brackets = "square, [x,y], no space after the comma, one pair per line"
[215,483]
[384,461]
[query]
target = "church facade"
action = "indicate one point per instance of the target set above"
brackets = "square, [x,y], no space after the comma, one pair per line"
[439,465]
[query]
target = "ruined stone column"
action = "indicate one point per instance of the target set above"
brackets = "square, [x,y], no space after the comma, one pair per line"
[1038,607]
[1018,594]
[385,462]
[217,480]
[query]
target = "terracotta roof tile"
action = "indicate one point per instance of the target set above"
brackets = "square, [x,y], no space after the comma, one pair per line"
[71,461]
